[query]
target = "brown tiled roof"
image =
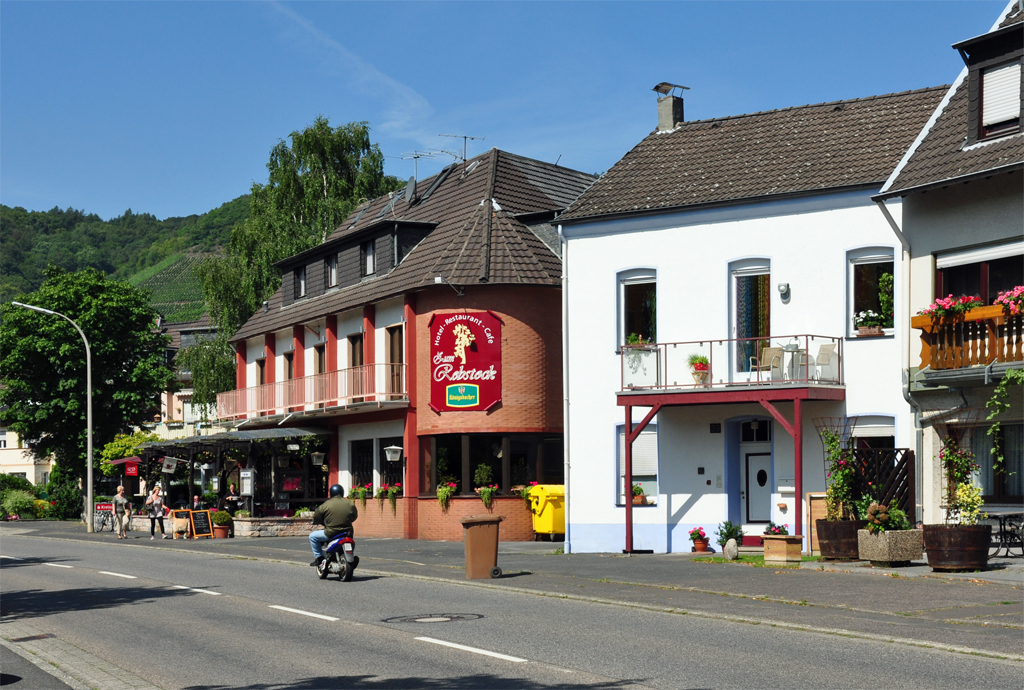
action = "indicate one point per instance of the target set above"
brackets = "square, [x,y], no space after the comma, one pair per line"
[943,153]
[454,249]
[778,152]
[174,330]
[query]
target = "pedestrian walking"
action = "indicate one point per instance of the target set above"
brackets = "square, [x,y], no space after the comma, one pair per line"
[156,513]
[122,513]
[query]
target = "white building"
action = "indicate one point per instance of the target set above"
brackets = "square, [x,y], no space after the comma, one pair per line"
[962,197]
[16,459]
[752,241]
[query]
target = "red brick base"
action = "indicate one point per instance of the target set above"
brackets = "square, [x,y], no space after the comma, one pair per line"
[439,526]
[376,519]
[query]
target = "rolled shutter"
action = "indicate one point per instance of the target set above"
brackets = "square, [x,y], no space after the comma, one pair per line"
[645,454]
[1000,88]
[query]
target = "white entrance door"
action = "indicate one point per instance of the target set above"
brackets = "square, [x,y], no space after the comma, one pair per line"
[759,487]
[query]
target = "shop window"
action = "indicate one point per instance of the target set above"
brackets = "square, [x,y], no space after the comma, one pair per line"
[361,462]
[645,463]
[982,273]
[1007,484]
[871,287]
[447,460]
[752,316]
[756,431]
[638,307]
[485,461]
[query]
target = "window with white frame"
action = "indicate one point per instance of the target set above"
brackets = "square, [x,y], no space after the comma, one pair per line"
[331,269]
[752,310]
[874,432]
[871,288]
[1000,99]
[1000,483]
[366,250]
[638,306]
[645,464]
[983,272]
[300,282]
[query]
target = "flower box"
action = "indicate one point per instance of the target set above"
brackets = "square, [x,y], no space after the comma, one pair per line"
[892,548]
[869,331]
[782,548]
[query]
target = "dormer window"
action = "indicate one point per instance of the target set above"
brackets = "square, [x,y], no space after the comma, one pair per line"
[1000,99]
[366,251]
[331,269]
[300,282]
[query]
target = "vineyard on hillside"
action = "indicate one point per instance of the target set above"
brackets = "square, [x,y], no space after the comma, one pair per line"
[177,295]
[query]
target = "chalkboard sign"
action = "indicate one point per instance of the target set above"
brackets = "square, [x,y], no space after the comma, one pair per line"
[202,525]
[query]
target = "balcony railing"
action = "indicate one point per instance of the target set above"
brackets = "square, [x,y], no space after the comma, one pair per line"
[368,383]
[774,361]
[983,336]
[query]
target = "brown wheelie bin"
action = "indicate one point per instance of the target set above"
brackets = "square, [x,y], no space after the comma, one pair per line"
[481,538]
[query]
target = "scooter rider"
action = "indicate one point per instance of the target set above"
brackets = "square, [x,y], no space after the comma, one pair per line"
[336,514]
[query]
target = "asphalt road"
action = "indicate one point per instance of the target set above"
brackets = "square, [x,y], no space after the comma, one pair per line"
[197,620]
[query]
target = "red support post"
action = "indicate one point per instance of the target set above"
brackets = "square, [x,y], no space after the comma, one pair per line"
[331,353]
[798,463]
[628,488]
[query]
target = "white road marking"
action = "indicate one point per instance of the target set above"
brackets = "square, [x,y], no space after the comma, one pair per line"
[305,613]
[472,649]
[12,558]
[127,577]
[58,565]
[193,589]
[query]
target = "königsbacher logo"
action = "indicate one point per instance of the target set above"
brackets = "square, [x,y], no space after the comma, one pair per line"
[463,395]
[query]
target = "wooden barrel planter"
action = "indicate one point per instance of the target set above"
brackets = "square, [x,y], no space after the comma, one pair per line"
[957,547]
[838,539]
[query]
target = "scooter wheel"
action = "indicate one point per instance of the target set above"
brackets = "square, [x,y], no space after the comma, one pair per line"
[346,571]
[495,572]
[323,568]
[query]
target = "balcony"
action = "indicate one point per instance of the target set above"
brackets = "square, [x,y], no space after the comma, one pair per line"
[738,363]
[370,385]
[979,346]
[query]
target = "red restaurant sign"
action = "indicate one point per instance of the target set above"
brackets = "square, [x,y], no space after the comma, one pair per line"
[131,469]
[465,361]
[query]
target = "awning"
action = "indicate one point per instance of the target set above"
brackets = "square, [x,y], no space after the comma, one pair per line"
[224,441]
[122,461]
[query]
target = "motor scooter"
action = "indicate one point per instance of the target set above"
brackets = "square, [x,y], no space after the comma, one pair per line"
[339,557]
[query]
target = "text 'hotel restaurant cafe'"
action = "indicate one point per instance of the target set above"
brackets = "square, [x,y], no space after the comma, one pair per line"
[430,322]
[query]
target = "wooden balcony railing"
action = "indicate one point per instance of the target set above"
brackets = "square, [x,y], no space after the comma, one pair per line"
[367,383]
[788,360]
[983,336]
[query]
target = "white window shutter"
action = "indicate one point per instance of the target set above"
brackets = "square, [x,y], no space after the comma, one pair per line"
[645,454]
[1000,88]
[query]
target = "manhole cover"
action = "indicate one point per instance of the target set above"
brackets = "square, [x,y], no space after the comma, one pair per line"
[434,618]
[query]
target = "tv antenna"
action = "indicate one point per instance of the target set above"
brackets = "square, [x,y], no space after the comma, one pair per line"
[415,156]
[465,140]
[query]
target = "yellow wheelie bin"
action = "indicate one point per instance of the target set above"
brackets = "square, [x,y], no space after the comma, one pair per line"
[547,503]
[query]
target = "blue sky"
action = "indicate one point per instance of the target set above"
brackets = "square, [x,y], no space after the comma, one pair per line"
[172,108]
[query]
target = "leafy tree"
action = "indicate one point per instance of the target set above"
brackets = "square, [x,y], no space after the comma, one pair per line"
[65,493]
[42,365]
[313,185]
[211,364]
[123,446]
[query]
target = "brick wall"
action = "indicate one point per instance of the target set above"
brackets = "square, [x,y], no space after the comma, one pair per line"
[437,526]
[376,520]
[531,359]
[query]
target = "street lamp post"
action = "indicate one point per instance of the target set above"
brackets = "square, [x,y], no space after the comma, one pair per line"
[89,513]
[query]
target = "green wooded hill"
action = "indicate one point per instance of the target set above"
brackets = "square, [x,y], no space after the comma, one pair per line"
[129,246]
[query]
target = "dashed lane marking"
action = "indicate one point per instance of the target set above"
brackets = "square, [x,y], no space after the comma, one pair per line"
[305,613]
[474,650]
[193,589]
[127,577]
[58,565]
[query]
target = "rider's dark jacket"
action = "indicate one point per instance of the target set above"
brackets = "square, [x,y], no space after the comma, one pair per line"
[336,515]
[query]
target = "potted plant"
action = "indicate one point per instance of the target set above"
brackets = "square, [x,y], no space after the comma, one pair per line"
[222,524]
[523,492]
[700,368]
[699,539]
[960,543]
[638,495]
[445,490]
[486,494]
[950,307]
[780,546]
[637,349]
[837,533]
[359,493]
[868,323]
[889,540]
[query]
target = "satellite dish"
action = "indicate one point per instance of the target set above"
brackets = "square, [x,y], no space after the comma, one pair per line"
[410,190]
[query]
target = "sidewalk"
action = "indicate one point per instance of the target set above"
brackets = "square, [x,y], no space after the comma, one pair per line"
[966,611]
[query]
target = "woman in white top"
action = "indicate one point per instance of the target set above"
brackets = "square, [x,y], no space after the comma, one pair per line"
[122,513]
[155,502]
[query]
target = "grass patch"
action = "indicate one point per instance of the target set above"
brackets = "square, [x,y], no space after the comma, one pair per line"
[756,561]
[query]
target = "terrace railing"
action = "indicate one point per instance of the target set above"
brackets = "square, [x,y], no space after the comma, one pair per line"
[774,361]
[982,336]
[367,383]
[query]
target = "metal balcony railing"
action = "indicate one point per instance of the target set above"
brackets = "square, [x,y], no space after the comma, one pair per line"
[982,336]
[366,383]
[774,361]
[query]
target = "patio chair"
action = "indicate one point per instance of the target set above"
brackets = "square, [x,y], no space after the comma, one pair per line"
[770,361]
[827,363]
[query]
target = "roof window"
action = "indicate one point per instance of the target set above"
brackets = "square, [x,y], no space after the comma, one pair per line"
[1000,99]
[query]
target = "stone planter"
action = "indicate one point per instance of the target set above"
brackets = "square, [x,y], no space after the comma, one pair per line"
[957,547]
[782,548]
[838,539]
[867,331]
[273,527]
[892,548]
